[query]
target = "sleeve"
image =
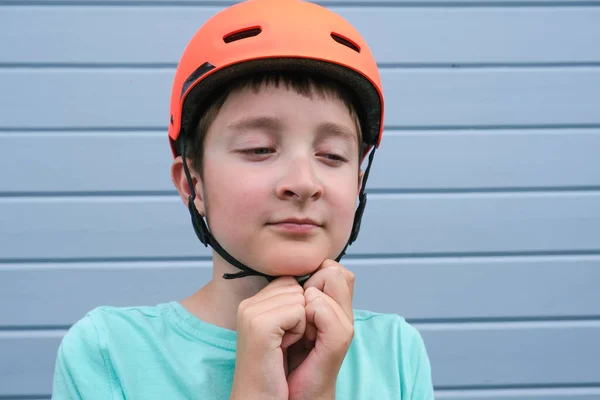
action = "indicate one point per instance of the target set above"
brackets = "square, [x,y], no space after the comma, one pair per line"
[416,378]
[422,388]
[81,369]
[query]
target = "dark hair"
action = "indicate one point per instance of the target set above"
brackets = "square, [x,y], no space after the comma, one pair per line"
[304,85]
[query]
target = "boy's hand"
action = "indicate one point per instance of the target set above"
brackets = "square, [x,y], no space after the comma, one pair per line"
[267,325]
[315,361]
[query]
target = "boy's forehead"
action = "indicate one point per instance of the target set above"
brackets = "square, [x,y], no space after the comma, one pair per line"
[279,87]
[268,106]
[271,95]
[303,84]
[318,106]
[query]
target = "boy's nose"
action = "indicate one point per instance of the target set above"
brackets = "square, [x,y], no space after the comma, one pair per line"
[299,182]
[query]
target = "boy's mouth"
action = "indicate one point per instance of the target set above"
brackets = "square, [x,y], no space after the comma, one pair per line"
[296,225]
[299,221]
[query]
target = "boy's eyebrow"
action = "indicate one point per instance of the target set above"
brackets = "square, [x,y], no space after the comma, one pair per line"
[262,122]
[333,129]
[273,124]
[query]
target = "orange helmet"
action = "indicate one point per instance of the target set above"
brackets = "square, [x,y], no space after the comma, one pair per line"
[275,35]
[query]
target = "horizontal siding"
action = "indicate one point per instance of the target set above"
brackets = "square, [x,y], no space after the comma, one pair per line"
[38,295]
[464,355]
[433,160]
[481,160]
[145,155]
[74,98]
[471,355]
[484,222]
[28,359]
[421,35]
[408,225]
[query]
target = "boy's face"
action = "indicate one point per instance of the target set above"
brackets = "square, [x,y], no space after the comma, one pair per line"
[277,156]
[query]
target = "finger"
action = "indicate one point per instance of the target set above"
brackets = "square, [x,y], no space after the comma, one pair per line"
[348,275]
[350,278]
[285,284]
[312,294]
[270,303]
[311,332]
[307,343]
[331,279]
[286,321]
[334,330]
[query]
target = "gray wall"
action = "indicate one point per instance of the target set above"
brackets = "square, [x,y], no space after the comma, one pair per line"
[483,223]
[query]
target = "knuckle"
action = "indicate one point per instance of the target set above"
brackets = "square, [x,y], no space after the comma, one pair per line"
[335,272]
[300,299]
[288,280]
[299,309]
[255,323]
[320,304]
[311,289]
[294,299]
[293,287]
[312,292]
[243,307]
[347,339]
[281,283]
[297,288]
[350,276]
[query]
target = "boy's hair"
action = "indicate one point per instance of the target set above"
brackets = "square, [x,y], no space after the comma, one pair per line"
[303,84]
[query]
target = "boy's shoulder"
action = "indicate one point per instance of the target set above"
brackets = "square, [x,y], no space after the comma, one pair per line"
[115,313]
[116,320]
[384,322]
[388,349]
[105,330]
[390,331]
[107,314]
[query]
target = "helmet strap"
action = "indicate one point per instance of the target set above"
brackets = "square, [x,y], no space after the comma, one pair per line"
[206,237]
[362,203]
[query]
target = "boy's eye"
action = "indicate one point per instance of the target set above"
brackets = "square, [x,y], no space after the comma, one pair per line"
[335,157]
[259,151]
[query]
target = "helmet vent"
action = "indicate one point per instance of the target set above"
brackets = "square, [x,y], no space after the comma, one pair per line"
[243,34]
[345,41]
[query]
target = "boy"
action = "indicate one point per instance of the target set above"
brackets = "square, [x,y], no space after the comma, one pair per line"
[274,106]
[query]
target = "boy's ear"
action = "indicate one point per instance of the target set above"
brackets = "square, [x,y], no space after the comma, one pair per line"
[361,175]
[181,183]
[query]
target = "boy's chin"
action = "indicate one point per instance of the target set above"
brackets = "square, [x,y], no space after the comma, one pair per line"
[292,263]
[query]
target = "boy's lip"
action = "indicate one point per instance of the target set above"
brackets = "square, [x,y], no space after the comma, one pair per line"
[297,221]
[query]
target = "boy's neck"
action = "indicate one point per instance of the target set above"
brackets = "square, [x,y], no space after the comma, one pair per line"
[217,302]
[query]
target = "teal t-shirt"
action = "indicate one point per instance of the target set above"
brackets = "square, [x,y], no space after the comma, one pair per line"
[165,352]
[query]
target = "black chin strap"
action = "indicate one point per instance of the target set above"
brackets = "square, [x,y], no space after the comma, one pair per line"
[207,238]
